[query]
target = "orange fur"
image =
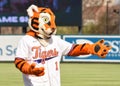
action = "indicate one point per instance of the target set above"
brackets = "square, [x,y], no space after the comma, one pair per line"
[31,33]
[27,68]
[81,49]
[98,48]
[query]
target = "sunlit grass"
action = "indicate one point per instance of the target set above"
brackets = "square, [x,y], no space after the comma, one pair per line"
[72,74]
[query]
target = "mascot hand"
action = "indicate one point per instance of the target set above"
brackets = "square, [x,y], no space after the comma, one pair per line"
[27,68]
[100,49]
[39,71]
[31,9]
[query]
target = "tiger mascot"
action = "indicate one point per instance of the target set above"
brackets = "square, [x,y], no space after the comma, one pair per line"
[39,52]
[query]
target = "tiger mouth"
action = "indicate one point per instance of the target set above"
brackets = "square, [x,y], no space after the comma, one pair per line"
[51,33]
[47,33]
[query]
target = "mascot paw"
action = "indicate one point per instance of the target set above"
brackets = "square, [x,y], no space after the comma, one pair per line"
[38,71]
[100,49]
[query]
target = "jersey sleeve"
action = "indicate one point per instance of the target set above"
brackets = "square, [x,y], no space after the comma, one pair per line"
[64,46]
[22,49]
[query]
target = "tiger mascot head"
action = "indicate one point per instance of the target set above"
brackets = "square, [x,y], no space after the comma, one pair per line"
[41,21]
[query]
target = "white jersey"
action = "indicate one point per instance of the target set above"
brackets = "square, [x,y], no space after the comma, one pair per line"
[31,50]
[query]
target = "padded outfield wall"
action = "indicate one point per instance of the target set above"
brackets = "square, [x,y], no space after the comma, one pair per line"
[8,46]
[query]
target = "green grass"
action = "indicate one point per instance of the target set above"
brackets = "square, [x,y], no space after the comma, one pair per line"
[9,75]
[72,74]
[90,74]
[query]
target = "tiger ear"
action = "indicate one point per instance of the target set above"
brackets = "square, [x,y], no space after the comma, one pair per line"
[31,10]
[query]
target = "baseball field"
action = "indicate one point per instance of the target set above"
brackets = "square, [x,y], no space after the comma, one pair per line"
[72,74]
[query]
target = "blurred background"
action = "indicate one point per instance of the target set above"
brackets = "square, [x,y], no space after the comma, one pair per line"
[84,16]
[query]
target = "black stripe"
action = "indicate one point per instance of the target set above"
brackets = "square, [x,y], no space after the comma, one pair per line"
[49,23]
[50,13]
[43,10]
[82,46]
[22,65]
[75,46]
[33,22]
[18,63]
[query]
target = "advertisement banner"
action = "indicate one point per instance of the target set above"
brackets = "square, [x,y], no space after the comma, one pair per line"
[112,56]
[8,46]
[13,20]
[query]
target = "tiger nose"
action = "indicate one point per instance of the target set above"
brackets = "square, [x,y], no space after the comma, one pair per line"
[53,29]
